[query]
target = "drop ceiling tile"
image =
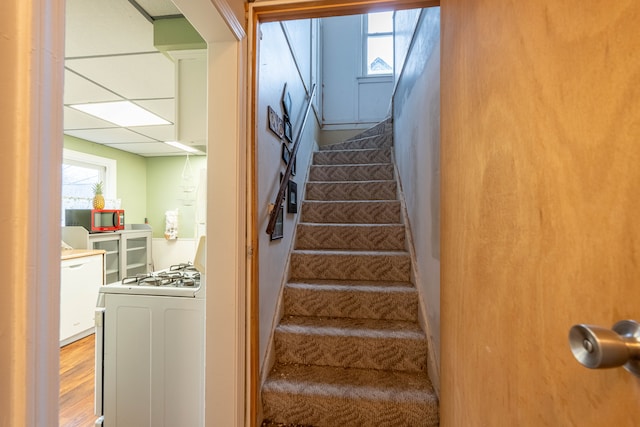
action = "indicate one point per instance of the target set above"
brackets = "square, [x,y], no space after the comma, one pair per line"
[78,90]
[160,133]
[165,108]
[74,119]
[99,27]
[149,149]
[157,8]
[144,76]
[109,136]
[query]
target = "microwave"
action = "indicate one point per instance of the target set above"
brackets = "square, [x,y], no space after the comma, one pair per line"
[96,220]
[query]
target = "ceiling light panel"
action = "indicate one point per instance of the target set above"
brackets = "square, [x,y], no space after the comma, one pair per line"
[74,119]
[122,113]
[148,149]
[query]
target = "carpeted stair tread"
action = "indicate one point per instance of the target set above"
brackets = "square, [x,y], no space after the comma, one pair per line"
[349,212]
[356,283]
[352,327]
[327,396]
[350,236]
[357,156]
[363,142]
[350,265]
[363,172]
[366,299]
[351,190]
[349,350]
[349,342]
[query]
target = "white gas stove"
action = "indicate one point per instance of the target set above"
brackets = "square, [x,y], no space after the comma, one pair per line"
[180,280]
[147,326]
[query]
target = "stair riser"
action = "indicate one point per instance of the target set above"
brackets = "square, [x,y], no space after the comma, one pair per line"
[350,267]
[351,213]
[351,351]
[332,411]
[350,237]
[377,141]
[351,302]
[372,190]
[351,157]
[351,173]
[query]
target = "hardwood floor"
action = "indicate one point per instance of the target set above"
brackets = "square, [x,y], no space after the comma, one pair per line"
[76,383]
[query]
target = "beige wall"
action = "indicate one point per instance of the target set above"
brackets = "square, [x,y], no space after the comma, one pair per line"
[276,67]
[540,156]
[417,153]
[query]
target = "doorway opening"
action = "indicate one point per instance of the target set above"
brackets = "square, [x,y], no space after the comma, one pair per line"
[284,17]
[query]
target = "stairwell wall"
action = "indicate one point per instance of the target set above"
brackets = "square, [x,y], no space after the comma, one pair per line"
[416,107]
[283,58]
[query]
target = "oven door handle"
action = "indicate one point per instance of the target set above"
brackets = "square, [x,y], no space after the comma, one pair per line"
[99,373]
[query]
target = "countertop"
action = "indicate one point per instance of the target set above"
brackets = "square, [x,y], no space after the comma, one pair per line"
[79,253]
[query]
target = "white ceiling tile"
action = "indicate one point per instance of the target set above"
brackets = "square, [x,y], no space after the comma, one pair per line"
[165,108]
[99,27]
[144,76]
[159,7]
[74,119]
[78,90]
[109,136]
[160,133]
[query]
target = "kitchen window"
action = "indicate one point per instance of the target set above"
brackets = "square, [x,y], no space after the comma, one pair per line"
[378,43]
[80,172]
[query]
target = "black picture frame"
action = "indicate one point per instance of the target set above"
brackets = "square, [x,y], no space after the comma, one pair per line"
[288,130]
[276,124]
[286,101]
[292,197]
[293,167]
[278,231]
[286,154]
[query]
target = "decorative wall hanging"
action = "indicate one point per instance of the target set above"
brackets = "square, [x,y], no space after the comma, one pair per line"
[286,101]
[286,154]
[276,124]
[292,199]
[288,131]
[278,231]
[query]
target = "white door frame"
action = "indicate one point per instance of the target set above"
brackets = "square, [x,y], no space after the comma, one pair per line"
[31,123]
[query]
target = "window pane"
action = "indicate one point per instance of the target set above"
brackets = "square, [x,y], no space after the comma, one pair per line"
[381,22]
[380,55]
[77,185]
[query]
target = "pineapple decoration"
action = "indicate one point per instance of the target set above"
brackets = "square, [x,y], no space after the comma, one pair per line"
[98,198]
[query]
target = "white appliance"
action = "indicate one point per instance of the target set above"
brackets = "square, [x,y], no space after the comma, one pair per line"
[150,348]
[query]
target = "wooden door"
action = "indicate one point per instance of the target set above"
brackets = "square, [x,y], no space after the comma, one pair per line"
[540,193]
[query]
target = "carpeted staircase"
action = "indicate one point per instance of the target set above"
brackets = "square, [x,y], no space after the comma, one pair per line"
[349,349]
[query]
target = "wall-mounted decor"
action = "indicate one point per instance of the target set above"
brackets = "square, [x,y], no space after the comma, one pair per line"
[293,167]
[292,199]
[276,124]
[288,131]
[286,101]
[278,231]
[286,154]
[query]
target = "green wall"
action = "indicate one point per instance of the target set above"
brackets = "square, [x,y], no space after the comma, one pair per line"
[149,186]
[131,177]
[165,192]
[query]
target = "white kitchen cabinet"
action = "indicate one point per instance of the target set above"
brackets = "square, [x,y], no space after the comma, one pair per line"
[128,251]
[80,280]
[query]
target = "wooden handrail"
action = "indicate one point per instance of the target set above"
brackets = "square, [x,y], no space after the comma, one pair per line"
[287,173]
